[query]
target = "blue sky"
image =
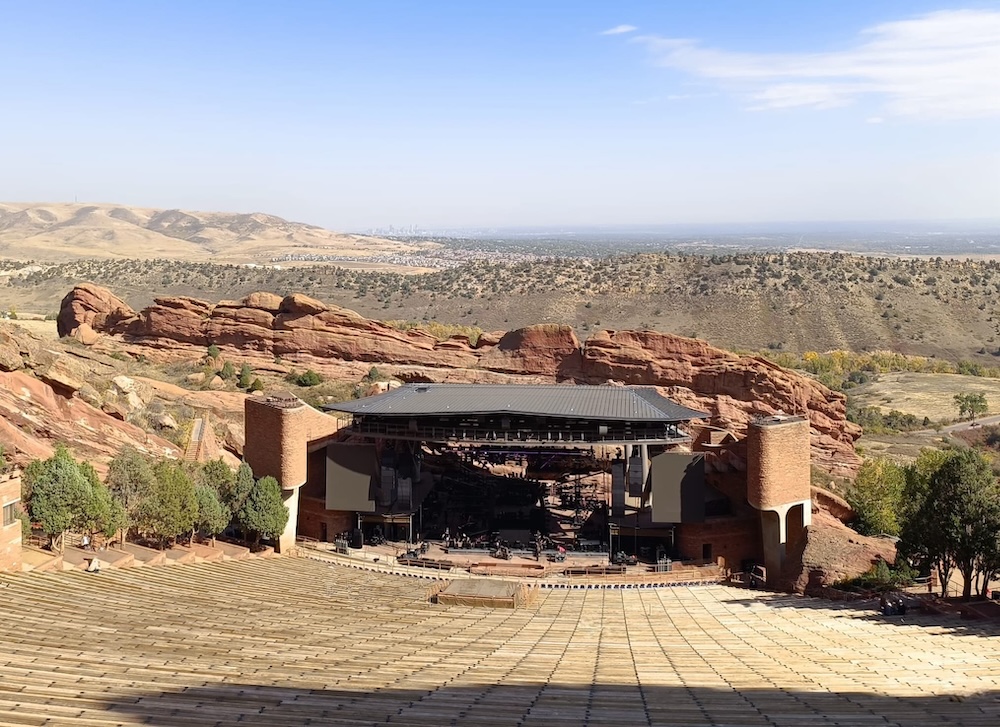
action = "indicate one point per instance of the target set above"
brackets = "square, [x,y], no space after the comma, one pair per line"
[375,112]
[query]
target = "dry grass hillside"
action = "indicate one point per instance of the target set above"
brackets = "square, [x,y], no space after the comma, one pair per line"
[59,232]
[777,301]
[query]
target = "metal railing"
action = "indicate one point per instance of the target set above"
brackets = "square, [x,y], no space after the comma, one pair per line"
[537,437]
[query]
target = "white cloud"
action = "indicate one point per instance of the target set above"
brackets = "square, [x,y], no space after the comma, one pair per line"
[619,30]
[944,65]
[874,120]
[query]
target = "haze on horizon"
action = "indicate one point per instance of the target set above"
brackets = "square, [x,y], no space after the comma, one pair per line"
[355,115]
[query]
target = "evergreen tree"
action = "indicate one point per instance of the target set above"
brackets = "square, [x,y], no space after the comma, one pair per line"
[246,374]
[213,516]
[173,508]
[101,512]
[243,485]
[59,493]
[956,525]
[263,513]
[217,475]
[131,482]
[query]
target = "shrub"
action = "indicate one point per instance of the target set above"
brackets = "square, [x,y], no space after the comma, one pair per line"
[214,352]
[309,378]
[245,376]
[880,577]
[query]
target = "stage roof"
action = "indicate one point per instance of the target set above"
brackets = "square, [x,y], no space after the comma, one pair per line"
[568,401]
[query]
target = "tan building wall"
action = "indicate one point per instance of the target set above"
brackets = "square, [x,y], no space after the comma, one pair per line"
[778,462]
[279,430]
[10,535]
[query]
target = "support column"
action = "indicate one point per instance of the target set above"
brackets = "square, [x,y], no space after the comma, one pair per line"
[286,541]
[774,528]
[644,457]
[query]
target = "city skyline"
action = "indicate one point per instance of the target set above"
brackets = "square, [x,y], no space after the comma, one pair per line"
[445,115]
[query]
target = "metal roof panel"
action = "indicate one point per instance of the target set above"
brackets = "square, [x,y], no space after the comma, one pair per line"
[623,403]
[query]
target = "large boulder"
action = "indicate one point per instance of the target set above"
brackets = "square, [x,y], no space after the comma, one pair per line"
[10,358]
[830,552]
[734,389]
[36,414]
[98,307]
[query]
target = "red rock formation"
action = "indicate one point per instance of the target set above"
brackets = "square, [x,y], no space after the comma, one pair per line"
[545,350]
[734,389]
[34,417]
[94,305]
[831,552]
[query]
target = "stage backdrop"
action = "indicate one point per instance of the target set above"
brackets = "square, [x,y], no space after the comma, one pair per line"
[678,487]
[351,472]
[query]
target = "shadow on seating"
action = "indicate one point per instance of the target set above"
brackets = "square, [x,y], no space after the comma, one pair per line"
[549,704]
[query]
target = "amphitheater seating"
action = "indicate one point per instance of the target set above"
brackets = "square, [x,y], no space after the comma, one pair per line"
[294,641]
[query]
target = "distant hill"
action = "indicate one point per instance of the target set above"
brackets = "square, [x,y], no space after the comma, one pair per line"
[791,302]
[57,232]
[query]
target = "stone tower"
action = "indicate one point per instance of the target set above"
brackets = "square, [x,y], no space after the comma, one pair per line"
[778,477]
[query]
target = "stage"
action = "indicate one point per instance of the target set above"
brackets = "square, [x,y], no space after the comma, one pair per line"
[484,593]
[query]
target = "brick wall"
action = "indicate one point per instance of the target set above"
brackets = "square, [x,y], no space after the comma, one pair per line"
[278,433]
[778,462]
[313,514]
[734,539]
[10,535]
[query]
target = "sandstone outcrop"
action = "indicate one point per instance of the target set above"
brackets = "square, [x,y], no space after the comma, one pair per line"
[78,397]
[98,307]
[831,552]
[35,416]
[733,389]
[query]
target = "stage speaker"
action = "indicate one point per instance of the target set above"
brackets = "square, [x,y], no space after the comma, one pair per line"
[618,488]
[357,539]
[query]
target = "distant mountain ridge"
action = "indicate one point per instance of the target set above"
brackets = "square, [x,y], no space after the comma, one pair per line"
[52,232]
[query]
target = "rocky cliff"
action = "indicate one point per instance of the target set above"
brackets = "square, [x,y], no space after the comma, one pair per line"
[48,397]
[734,389]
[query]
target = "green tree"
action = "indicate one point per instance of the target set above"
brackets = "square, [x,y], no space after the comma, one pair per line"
[977,405]
[243,484]
[877,497]
[246,374]
[213,351]
[25,522]
[257,385]
[172,509]
[309,378]
[101,512]
[972,405]
[956,526]
[263,513]
[918,481]
[228,370]
[59,492]
[220,477]
[131,481]
[213,516]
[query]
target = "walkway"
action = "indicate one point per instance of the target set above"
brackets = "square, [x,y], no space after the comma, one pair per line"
[294,641]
